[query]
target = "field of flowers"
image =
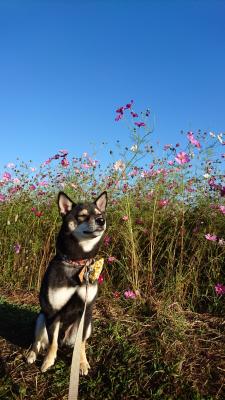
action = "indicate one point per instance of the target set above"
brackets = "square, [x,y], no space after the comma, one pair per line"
[164,248]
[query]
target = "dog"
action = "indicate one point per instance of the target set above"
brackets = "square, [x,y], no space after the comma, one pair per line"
[63,288]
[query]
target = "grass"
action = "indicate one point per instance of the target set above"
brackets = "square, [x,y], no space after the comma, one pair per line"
[144,358]
[164,245]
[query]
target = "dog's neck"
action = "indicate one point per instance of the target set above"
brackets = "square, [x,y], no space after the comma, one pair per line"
[74,250]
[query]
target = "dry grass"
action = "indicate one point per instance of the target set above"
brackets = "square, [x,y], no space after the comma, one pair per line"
[172,354]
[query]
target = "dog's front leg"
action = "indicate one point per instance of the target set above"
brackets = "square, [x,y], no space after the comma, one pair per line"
[84,364]
[53,333]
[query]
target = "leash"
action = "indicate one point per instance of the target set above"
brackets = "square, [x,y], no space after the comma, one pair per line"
[75,364]
[91,272]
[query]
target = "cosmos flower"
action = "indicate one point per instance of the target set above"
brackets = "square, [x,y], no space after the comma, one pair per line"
[100,279]
[17,248]
[10,165]
[134,148]
[6,177]
[2,198]
[219,289]
[192,140]
[111,259]
[107,240]
[182,158]
[212,238]
[134,115]
[163,202]
[129,294]
[139,124]
[119,165]
[65,163]
[222,209]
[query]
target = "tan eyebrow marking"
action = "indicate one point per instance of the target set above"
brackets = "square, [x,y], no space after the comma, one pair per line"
[83,213]
[97,212]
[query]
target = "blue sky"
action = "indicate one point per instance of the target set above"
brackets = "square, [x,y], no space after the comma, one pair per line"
[67,65]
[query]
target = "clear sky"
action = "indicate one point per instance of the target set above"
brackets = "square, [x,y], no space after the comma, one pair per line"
[65,66]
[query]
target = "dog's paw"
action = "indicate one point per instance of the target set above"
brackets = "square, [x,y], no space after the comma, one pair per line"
[31,358]
[84,367]
[47,363]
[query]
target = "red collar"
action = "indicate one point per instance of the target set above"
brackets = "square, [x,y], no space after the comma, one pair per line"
[79,262]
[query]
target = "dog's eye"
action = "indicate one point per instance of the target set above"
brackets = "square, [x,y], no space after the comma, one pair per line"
[100,221]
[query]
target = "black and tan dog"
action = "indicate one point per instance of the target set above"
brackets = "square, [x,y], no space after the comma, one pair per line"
[63,288]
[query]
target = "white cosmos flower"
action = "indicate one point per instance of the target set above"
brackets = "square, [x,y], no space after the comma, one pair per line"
[219,137]
[119,165]
[134,148]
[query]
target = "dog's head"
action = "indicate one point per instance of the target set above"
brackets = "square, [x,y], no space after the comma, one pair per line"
[84,221]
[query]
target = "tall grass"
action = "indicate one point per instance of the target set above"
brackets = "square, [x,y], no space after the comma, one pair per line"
[158,218]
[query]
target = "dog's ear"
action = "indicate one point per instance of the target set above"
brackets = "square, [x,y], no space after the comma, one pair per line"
[65,203]
[101,201]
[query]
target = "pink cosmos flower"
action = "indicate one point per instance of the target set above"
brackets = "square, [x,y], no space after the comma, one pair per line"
[222,209]
[182,158]
[171,162]
[6,177]
[129,294]
[46,162]
[118,117]
[32,187]
[65,163]
[139,124]
[192,140]
[43,183]
[111,259]
[100,279]
[134,172]
[163,202]
[17,248]
[107,240]
[219,289]
[2,198]
[212,238]
[125,218]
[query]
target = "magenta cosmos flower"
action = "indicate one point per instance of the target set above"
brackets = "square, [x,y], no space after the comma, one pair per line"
[139,124]
[182,158]
[219,289]
[65,163]
[17,248]
[192,140]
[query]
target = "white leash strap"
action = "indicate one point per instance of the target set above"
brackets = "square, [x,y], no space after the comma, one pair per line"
[75,365]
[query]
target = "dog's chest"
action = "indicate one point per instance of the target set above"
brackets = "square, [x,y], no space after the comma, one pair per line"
[59,297]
